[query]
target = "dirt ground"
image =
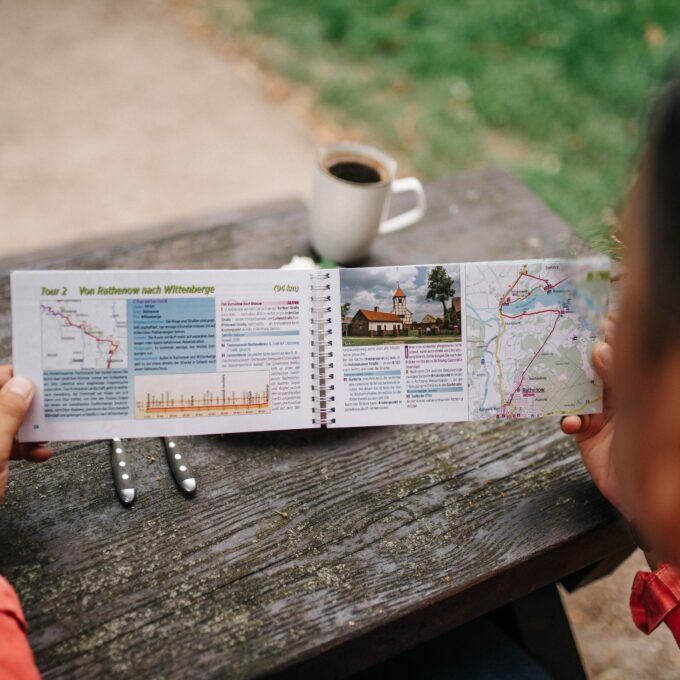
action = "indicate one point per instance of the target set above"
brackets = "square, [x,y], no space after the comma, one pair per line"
[613,649]
[118,114]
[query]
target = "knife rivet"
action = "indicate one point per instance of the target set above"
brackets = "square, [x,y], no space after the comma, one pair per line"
[125,475]
[171,445]
[178,456]
[182,468]
[121,463]
[119,450]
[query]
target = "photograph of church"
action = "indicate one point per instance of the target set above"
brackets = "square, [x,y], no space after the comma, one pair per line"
[400,305]
[369,323]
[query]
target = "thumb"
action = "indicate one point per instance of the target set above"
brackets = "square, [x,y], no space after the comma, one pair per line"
[603,358]
[15,399]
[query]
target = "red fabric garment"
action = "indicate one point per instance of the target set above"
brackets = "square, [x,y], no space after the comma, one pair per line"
[655,598]
[16,657]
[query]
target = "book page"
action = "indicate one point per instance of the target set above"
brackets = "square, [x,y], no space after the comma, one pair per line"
[162,353]
[456,342]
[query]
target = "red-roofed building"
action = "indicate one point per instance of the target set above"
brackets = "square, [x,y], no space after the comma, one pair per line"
[368,322]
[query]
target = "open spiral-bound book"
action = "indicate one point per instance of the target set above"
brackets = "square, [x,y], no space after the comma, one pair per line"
[157,353]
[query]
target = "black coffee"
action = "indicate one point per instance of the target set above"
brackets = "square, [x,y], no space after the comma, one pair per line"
[354,171]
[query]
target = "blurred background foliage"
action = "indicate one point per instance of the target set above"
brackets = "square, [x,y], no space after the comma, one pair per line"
[556,92]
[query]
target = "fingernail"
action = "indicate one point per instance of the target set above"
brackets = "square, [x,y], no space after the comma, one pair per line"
[20,386]
[606,355]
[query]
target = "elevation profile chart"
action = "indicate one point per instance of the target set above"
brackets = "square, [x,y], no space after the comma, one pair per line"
[201,394]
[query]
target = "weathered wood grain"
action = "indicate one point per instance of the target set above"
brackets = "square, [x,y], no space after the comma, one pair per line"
[321,548]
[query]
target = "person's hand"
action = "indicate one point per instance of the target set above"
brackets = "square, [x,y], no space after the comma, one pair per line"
[594,434]
[16,395]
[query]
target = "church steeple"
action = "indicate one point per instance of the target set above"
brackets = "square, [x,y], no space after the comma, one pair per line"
[399,306]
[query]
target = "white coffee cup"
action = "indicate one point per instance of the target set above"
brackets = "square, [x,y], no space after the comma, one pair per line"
[346,215]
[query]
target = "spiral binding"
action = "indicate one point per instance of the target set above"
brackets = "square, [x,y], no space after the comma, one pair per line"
[322,350]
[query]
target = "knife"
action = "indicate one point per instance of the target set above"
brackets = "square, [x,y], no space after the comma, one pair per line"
[122,474]
[179,466]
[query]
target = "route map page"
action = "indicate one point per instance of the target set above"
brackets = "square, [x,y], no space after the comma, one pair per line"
[162,353]
[530,332]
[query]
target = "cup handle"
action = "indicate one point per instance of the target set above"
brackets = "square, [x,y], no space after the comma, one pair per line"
[407,218]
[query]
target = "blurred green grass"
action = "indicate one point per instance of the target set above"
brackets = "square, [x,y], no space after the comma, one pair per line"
[554,91]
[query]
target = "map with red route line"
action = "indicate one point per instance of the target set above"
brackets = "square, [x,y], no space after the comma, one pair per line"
[530,329]
[81,334]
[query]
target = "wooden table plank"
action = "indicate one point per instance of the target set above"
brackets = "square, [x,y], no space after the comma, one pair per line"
[390,535]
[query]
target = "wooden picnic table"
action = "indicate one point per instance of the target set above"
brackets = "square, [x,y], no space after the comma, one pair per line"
[307,553]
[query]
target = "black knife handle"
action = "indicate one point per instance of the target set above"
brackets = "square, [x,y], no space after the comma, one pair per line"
[179,466]
[122,473]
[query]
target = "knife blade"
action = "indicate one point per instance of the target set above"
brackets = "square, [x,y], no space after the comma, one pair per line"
[181,471]
[122,473]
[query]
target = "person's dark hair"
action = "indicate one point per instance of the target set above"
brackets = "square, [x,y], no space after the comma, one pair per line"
[661,233]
